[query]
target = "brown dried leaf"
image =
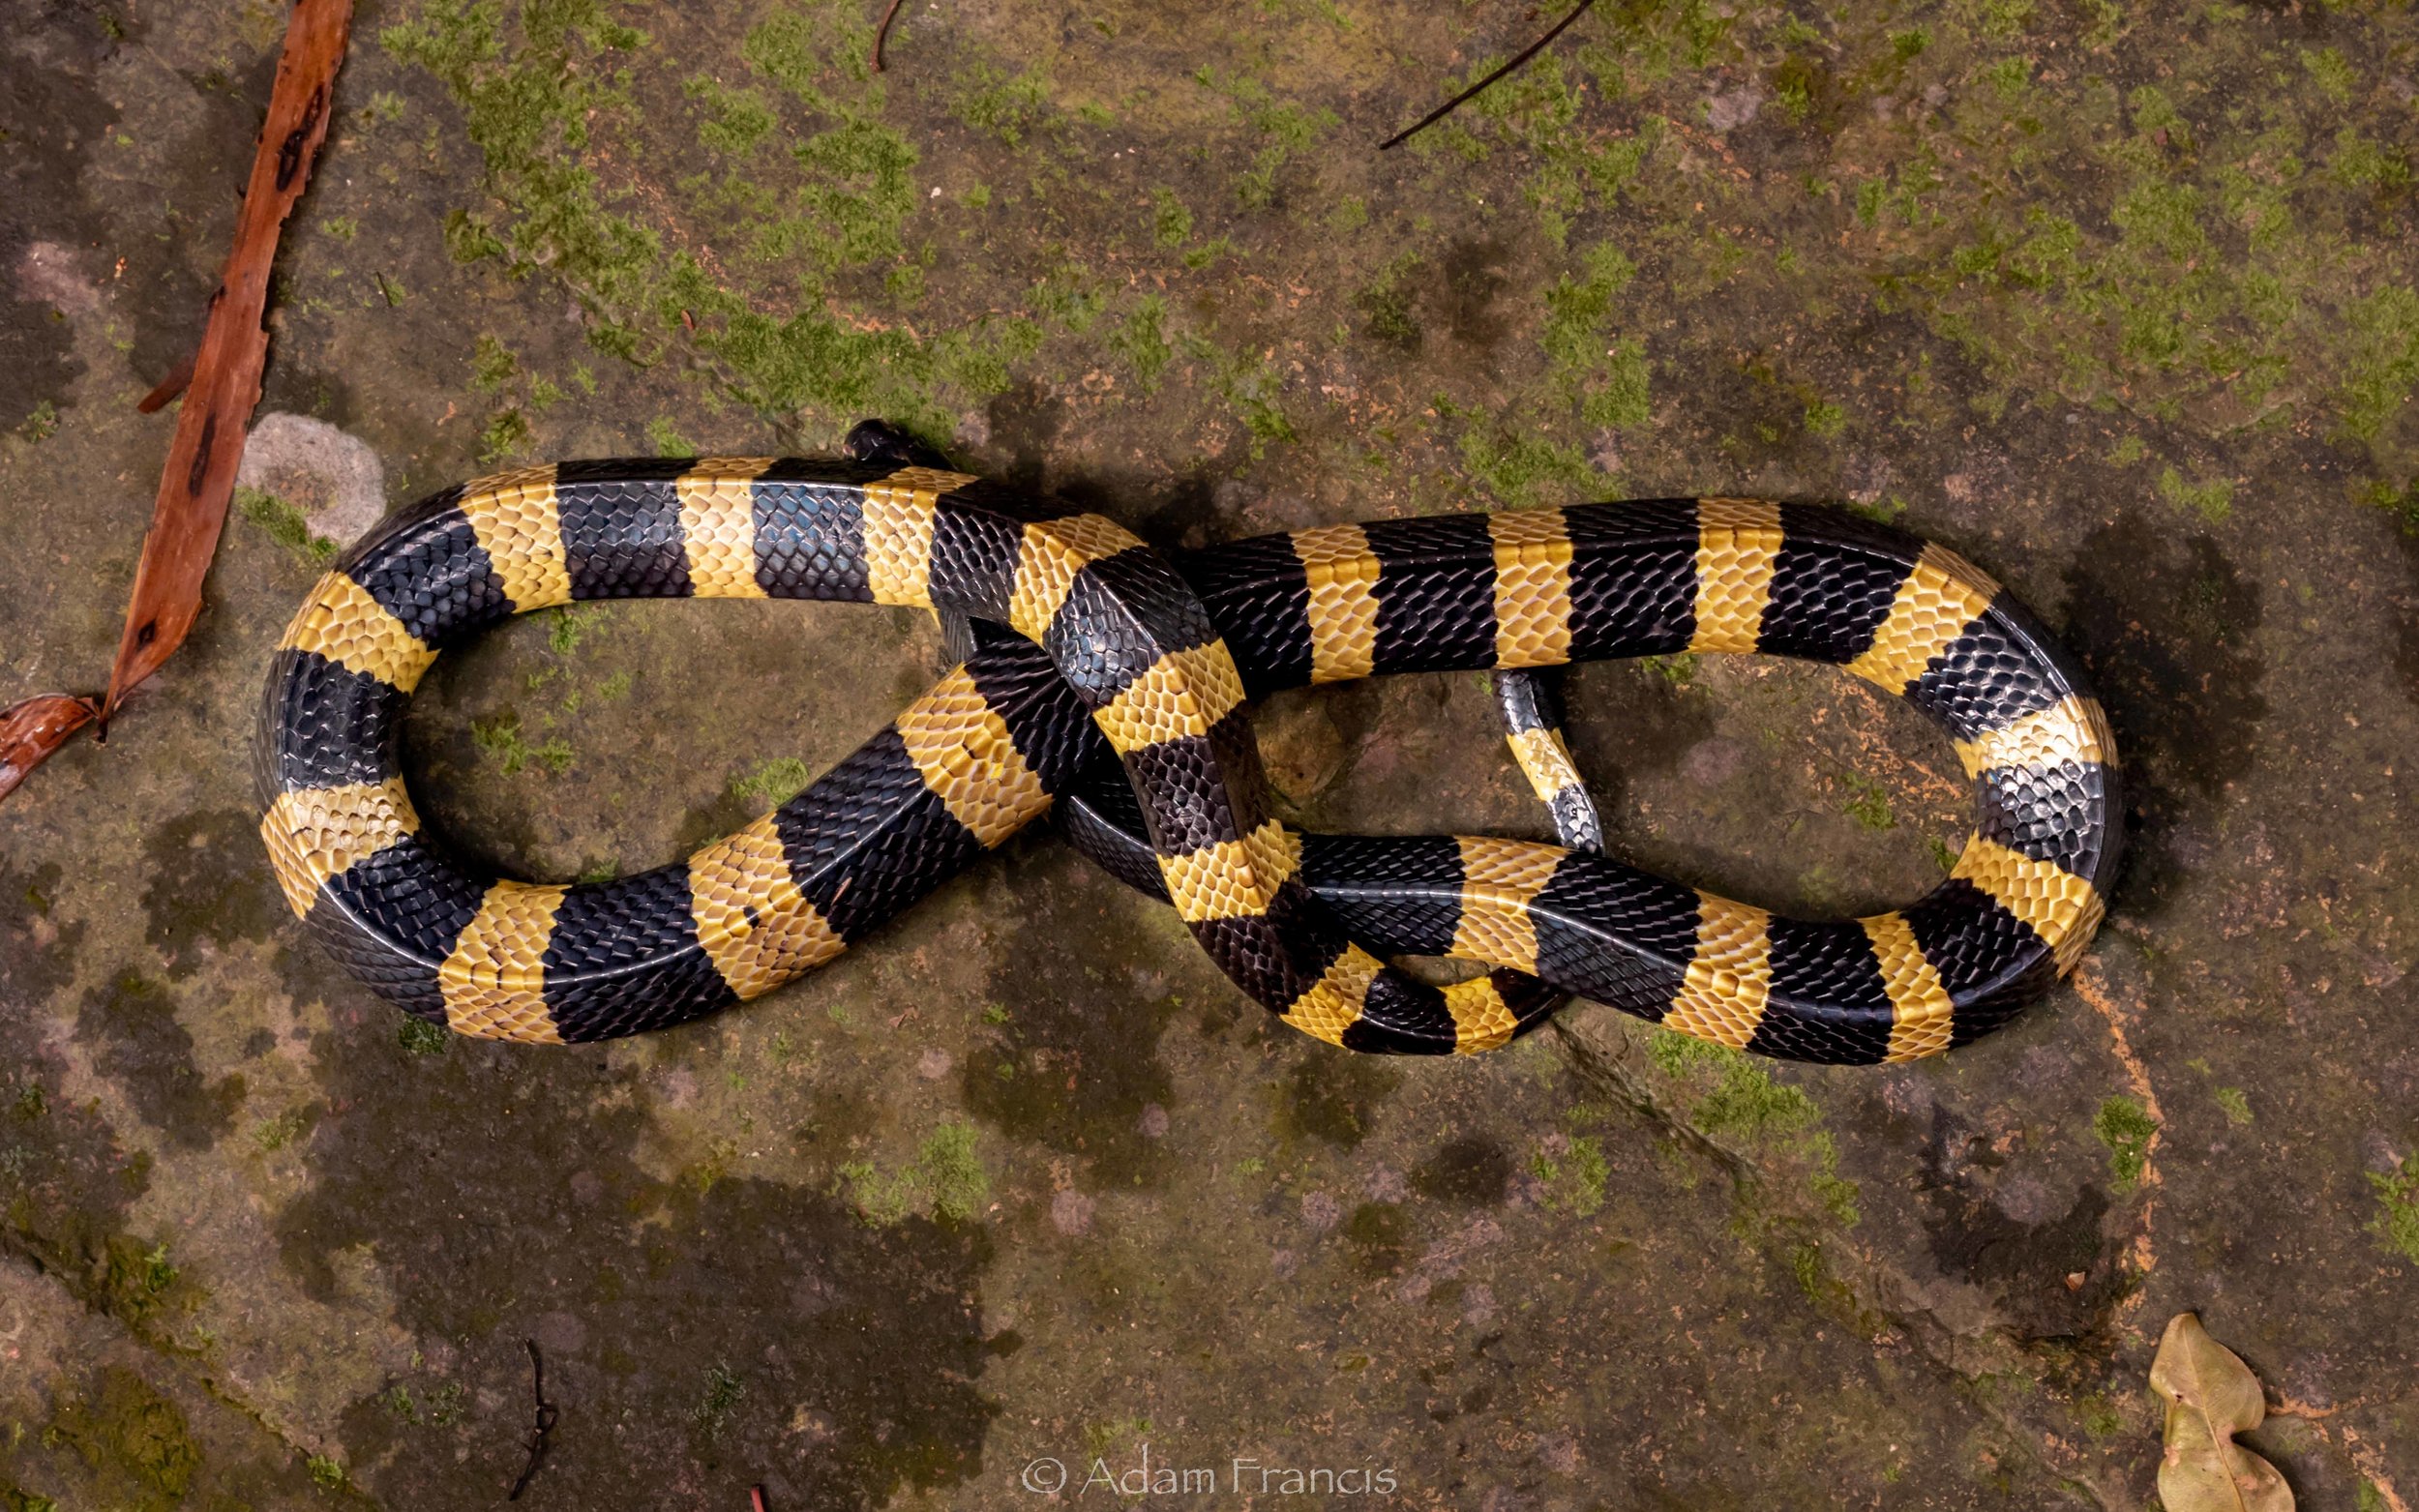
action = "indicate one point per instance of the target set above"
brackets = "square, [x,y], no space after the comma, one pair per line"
[2211,1396]
[200,473]
[29,731]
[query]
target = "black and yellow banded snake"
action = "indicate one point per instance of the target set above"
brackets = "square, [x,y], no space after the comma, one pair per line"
[1090,644]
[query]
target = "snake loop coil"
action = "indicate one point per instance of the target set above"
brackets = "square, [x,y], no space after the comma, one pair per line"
[1081,644]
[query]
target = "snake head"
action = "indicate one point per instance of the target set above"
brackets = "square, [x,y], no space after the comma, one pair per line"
[880,442]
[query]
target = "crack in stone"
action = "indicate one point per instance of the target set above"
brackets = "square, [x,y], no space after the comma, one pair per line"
[170,1357]
[1881,1292]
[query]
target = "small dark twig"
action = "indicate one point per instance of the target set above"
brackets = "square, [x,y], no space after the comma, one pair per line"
[172,385]
[1450,106]
[882,32]
[542,1425]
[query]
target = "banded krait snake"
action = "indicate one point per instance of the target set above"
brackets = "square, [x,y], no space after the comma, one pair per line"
[1085,644]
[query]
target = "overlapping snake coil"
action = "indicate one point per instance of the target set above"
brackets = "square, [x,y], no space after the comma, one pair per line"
[1111,680]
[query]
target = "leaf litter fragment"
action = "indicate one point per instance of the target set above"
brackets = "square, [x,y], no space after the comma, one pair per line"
[199,477]
[2211,1396]
[31,730]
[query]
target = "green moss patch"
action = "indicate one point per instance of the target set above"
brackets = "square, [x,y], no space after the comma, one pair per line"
[2396,1223]
[284,525]
[420,1037]
[946,1180]
[2125,1128]
[772,783]
[1573,1171]
[133,1438]
[804,183]
[1732,1097]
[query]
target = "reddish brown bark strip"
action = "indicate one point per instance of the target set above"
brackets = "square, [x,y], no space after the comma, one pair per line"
[29,731]
[199,477]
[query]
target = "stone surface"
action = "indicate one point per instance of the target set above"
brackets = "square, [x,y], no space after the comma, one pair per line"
[334,479]
[2118,301]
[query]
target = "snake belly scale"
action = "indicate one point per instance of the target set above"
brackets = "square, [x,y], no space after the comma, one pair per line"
[1111,681]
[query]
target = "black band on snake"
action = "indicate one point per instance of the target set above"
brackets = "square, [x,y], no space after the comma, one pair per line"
[1088,645]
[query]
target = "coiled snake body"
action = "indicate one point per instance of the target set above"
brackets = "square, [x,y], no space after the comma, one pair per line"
[1088,644]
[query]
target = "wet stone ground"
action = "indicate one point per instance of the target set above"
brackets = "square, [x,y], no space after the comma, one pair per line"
[2119,299]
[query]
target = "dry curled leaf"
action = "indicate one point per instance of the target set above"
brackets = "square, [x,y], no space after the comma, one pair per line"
[2211,1396]
[29,731]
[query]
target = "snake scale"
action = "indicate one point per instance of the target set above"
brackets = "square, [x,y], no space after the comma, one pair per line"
[1111,681]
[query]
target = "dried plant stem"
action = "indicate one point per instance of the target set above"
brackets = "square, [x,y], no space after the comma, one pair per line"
[882,33]
[1451,106]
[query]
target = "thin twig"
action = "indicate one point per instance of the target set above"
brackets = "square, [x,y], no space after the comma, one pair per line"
[882,32]
[172,385]
[1449,106]
[541,1425]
